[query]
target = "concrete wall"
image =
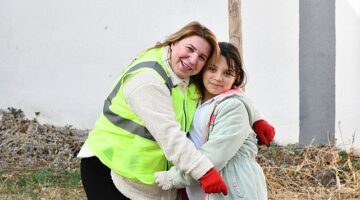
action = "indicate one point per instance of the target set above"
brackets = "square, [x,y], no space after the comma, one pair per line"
[61,57]
[348,73]
[271,56]
[317,53]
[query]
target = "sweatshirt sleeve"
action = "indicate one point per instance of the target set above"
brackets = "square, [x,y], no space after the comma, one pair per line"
[181,179]
[151,101]
[254,112]
[231,128]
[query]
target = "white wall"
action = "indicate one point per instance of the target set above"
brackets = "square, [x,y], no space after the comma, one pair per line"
[348,73]
[271,56]
[61,57]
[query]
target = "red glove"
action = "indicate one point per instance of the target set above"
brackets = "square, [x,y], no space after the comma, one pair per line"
[264,131]
[212,182]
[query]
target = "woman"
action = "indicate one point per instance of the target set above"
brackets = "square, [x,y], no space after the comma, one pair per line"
[138,131]
[222,130]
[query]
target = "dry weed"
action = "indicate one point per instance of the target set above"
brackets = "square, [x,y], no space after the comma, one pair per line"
[292,172]
[323,172]
[28,144]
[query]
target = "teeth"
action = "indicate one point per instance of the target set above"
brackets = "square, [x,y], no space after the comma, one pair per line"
[186,66]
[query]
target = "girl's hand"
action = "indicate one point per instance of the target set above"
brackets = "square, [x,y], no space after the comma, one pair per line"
[264,131]
[164,180]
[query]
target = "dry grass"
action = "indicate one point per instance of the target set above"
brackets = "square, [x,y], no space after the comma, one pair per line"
[323,172]
[27,143]
[38,162]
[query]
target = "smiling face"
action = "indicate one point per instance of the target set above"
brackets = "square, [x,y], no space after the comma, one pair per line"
[189,56]
[218,78]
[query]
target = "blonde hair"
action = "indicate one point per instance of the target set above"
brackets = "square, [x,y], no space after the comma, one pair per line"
[191,29]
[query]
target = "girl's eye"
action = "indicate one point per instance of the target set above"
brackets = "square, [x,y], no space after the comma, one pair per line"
[229,73]
[212,69]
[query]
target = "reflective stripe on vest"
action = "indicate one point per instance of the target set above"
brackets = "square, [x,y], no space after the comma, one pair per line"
[127,124]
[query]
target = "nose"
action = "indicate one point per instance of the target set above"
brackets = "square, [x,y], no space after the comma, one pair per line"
[218,76]
[194,59]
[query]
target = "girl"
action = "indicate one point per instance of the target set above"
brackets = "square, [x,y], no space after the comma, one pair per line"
[222,130]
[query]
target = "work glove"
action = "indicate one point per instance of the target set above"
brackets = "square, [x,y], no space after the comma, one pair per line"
[163,180]
[212,182]
[264,131]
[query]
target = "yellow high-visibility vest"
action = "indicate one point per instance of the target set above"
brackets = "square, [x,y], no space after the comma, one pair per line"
[120,139]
